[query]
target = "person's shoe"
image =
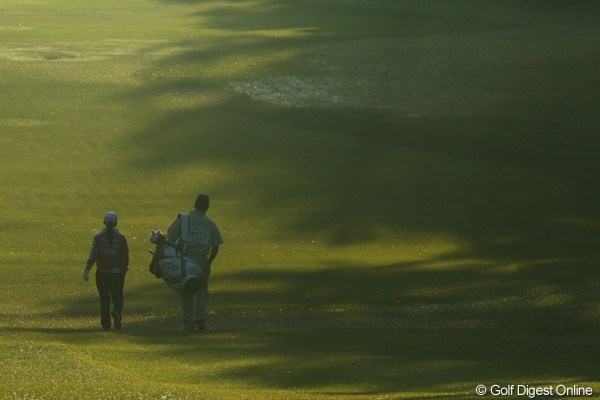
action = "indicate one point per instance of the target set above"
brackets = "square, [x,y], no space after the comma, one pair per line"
[201,325]
[117,318]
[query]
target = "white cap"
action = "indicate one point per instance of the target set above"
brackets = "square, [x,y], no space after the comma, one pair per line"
[110,218]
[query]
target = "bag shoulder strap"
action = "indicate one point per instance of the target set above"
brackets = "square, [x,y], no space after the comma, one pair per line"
[184,220]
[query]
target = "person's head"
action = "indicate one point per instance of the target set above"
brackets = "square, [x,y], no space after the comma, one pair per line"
[201,203]
[110,219]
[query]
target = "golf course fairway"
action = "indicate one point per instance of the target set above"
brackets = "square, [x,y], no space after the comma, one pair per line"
[408,194]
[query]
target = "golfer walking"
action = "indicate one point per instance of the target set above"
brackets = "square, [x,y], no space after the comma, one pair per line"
[110,253]
[200,238]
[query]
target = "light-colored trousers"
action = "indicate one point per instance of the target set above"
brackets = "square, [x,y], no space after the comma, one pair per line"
[194,304]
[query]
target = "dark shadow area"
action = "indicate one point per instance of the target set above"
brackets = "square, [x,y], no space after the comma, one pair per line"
[333,18]
[514,179]
[429,175]
[401,327]
[52,331]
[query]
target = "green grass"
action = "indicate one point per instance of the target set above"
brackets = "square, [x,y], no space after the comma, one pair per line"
[407,192]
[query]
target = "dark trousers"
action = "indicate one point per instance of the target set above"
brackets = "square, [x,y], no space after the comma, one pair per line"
[110,287]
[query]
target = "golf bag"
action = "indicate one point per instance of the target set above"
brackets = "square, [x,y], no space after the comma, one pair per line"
[179,272]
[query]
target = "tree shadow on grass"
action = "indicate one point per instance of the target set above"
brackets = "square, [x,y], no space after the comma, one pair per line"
[509,175]
[385,329]
[64,332]
[500,195]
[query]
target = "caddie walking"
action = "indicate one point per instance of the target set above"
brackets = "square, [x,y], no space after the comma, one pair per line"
[110,253]
[200,238]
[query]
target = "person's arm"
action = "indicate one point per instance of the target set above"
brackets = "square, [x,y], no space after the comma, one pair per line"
[93,256]
[214,250]
[217,240]
[174,230]
[125,255]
